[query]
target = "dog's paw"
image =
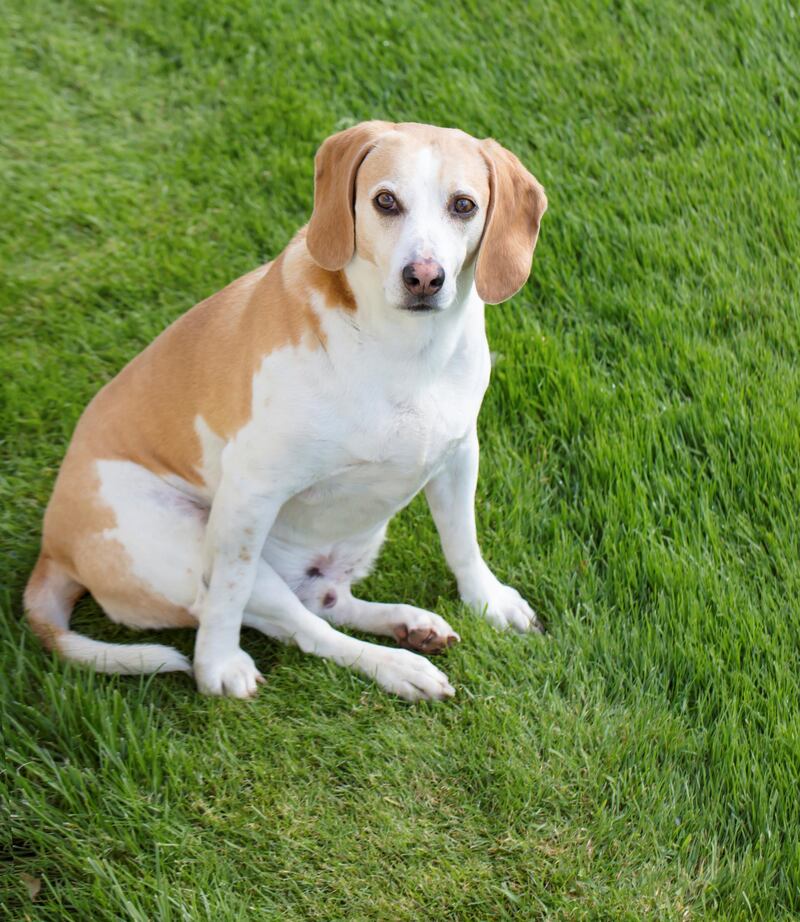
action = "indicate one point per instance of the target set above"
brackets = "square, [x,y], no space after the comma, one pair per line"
[407,675]
[504,607]
[234,675]
[422,630]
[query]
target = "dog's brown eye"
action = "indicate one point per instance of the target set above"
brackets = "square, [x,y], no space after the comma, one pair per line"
[464,206]
[386,201]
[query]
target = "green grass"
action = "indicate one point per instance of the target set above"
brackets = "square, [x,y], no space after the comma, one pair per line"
[641,446]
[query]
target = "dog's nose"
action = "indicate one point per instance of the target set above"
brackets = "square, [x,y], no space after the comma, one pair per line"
[424,277]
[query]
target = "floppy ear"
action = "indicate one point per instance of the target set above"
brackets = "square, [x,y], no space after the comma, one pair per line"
[331,235]
[516,205]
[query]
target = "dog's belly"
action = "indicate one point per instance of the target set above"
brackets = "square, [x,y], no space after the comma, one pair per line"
[330,534]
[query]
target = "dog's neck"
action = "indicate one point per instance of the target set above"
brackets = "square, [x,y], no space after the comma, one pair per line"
[426,339]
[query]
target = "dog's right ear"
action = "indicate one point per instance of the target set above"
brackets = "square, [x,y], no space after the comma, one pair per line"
[331,236]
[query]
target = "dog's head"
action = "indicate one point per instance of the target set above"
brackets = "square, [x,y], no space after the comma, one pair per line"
[424,208]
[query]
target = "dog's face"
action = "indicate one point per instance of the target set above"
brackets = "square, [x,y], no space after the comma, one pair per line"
[420,209]
[427,209]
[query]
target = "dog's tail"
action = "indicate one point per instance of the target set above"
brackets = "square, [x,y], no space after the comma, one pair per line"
[50,596]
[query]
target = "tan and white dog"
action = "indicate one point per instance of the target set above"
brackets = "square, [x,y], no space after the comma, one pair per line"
[244,467]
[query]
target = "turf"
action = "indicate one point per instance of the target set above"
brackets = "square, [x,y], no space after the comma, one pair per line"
[641,441]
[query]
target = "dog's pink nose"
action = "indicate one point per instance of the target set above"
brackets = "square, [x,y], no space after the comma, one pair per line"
[424,277]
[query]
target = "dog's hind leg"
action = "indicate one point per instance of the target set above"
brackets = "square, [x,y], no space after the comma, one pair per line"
[276,611]
[411,627]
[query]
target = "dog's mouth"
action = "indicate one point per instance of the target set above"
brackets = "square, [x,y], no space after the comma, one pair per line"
[421,307]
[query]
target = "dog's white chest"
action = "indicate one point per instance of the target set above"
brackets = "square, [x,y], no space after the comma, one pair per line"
[388,450]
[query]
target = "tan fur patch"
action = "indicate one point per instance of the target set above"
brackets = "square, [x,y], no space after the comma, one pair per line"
[204,364]
[308,276]
[333,286]
[49,597]
[74,527]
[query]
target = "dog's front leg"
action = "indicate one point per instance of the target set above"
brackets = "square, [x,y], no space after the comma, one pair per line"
[451,497]
[241,516]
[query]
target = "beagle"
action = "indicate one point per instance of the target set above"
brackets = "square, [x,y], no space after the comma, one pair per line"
[244,467]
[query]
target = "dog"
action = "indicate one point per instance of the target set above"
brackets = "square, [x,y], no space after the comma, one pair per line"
[243,468]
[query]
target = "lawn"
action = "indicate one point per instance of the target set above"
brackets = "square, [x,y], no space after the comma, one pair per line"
[640,454]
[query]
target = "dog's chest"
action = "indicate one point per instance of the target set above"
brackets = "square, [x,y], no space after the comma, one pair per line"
[389,447]
[408,432]
[381,444]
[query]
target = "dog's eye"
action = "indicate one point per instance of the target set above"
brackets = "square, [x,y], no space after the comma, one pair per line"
[385,201]
[463,206]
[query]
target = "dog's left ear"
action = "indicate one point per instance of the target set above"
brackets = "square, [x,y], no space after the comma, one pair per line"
[331,236]
[516,205]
